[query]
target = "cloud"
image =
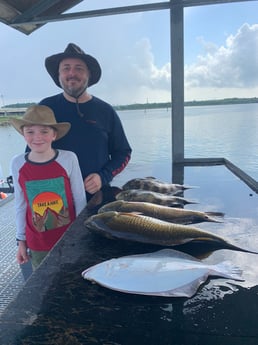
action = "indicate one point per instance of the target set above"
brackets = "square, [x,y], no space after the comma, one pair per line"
[131,65]
[234,65]
[135,77]
[229,70]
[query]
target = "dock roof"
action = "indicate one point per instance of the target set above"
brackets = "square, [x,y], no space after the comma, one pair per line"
[27,16]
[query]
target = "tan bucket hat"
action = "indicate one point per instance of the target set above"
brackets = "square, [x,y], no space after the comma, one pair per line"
[43,116]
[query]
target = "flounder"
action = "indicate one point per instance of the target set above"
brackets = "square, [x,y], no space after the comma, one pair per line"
[169,214]
[139,228]
[166,273]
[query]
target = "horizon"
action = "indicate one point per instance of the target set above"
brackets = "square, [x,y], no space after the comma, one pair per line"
[231,100]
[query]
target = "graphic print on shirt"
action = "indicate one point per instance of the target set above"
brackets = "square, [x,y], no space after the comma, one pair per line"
[48,203]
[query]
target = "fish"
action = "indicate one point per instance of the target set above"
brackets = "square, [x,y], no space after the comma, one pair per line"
[152,184]
[166,273]
[169,214]
[144,229]
[154,197]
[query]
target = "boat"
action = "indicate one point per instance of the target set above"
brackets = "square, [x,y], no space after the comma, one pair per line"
[6,189]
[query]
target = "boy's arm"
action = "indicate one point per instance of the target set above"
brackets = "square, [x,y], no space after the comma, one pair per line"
[20,203]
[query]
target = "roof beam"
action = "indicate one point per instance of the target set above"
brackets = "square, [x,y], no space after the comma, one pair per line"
[35,10]
[191,3]
[115,10]
[96,13]
[8,11]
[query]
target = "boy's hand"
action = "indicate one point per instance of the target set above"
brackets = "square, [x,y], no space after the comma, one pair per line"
[22,254]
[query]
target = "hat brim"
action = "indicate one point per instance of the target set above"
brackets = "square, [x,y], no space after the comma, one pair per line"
[52,66]
[61,128]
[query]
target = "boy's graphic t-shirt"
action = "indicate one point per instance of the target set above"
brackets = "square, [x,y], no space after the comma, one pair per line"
[46,189]
[48,202]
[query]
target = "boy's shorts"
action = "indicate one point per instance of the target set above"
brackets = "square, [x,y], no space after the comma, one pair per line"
[37,257]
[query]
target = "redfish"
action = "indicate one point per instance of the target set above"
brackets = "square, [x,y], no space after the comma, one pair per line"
[169,214]
[144,229]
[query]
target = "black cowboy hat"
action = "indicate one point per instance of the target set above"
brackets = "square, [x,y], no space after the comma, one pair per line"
[73,51]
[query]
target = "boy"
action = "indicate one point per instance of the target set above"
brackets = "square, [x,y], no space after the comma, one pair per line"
[48,185]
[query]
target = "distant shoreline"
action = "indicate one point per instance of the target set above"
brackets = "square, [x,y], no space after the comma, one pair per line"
[225,101]
[4,116]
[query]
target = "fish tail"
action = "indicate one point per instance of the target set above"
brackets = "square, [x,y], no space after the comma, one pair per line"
[228,270]
[210,217]
[186,202]
[240,249]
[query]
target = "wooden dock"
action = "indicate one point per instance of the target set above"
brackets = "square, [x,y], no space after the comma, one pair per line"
[12,277]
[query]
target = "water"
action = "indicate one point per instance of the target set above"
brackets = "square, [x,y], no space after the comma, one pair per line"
[11,143]
[224,131]
[228,131]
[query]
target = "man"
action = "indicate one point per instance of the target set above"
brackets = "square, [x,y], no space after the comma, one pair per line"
[97,135]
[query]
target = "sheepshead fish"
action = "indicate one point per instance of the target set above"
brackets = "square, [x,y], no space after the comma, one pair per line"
[154,197]
[139,228]
[152,184]
[167,273]
[169,214]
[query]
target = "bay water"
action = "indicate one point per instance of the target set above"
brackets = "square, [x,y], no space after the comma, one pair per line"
[229,131]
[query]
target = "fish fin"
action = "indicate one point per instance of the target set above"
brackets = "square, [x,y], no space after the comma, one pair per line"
[189,187]
[131,214]
[226,269]
[188,290]
[215,214]
[136,213]
[176,192]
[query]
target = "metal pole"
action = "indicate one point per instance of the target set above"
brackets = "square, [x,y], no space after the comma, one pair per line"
[177,80]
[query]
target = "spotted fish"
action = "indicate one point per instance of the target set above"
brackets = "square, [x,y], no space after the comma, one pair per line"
[152,184]
[154,197]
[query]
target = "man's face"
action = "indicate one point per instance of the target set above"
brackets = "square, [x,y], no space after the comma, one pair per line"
[73,76]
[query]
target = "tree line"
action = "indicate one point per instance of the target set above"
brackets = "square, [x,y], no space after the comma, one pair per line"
[147,105]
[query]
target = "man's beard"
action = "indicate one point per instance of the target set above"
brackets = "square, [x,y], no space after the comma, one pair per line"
[74,92]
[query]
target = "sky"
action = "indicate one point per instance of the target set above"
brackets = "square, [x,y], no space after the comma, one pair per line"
[220,54]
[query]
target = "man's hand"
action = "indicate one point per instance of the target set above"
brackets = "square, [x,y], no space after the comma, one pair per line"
[92,183]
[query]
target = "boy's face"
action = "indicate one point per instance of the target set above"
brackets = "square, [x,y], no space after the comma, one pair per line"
[39,138]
